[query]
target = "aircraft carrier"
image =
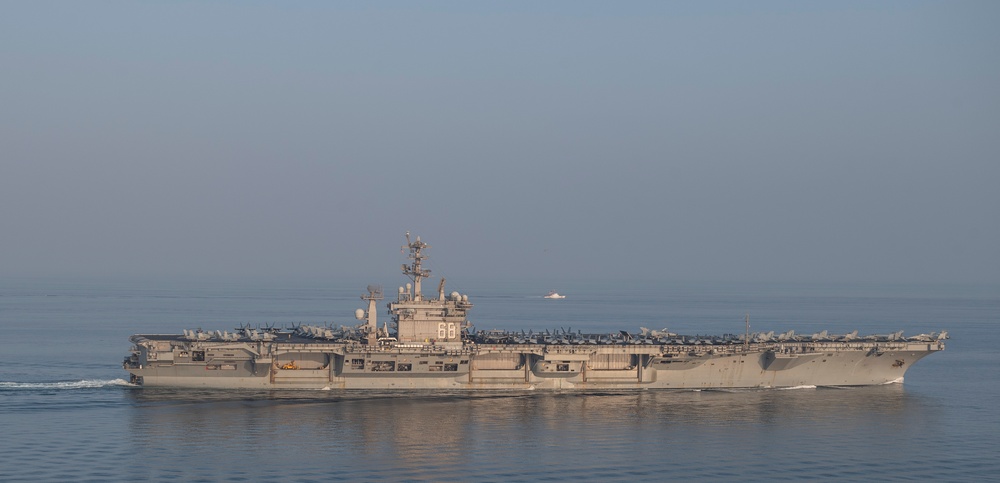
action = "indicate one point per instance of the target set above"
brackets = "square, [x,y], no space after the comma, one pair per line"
[428,343]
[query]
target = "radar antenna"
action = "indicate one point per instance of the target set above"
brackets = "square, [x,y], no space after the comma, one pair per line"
[414,270]
[374,295]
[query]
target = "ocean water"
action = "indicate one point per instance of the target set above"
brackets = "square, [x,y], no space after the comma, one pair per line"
[66,413]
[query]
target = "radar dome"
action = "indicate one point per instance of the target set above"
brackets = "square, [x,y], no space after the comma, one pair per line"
[456,296]
[359,314]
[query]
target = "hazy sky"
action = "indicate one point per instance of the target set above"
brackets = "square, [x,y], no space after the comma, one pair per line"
[771,141]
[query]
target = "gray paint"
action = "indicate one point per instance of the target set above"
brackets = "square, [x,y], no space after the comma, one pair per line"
[428,346]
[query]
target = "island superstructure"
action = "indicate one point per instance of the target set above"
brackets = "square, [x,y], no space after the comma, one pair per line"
[428,343]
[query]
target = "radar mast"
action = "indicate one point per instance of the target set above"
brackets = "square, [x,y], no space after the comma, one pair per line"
[414,270]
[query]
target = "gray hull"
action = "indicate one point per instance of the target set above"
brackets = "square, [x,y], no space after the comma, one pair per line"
[431,344]
[167,361]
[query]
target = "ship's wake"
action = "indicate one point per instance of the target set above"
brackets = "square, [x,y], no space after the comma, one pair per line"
[82,384]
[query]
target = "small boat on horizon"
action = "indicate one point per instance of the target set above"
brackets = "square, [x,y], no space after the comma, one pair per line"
[432,345]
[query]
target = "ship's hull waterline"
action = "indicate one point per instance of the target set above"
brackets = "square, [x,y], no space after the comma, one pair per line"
[327,366]
[432,345]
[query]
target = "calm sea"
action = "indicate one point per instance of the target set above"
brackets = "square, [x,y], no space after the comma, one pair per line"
[66,413]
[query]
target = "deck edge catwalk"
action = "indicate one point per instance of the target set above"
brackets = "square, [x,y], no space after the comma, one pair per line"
[428,343]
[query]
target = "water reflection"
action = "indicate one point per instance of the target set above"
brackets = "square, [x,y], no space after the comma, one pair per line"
[449,436]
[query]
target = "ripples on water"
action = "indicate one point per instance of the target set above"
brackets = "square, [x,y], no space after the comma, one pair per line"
[76,432]
[942,424]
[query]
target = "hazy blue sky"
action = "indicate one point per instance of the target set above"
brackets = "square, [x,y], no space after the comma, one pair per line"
[772,141]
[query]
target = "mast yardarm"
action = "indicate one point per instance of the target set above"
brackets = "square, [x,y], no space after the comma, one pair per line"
[414,270]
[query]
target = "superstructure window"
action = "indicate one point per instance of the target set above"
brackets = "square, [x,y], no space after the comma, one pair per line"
[198,356]
[357,363]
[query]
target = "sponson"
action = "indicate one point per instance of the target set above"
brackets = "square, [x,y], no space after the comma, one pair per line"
[428,343]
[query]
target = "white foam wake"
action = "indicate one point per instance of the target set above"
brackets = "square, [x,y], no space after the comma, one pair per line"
[894,381]
[795,387]
[84,384]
